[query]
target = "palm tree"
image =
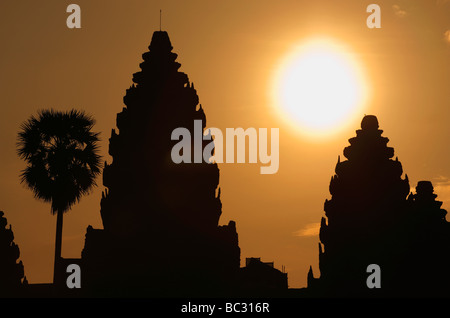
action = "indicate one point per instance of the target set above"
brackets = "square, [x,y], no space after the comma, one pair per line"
[62,160]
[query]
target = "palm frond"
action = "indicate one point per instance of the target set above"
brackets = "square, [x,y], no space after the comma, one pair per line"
[62,156]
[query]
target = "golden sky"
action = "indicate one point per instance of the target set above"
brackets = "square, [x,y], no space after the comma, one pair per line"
[230,51]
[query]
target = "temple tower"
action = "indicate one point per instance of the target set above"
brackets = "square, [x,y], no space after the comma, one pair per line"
[368,202]
[372,218]
[160,218]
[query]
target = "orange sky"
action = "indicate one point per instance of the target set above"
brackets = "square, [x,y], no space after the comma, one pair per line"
[229,49]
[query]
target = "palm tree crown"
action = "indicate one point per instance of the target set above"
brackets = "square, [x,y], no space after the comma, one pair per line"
[62,156]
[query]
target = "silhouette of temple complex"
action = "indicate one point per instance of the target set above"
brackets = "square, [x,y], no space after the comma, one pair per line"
[161,234]
[160,231]
[371,219]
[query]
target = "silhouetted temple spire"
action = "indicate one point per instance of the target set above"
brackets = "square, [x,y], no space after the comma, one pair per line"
[160,43]
[370,219]
[367,195]
[162,213]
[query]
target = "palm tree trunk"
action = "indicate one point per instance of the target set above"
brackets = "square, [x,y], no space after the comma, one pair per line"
[58,243]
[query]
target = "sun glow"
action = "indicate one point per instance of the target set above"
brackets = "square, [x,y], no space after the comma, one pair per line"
[319,88]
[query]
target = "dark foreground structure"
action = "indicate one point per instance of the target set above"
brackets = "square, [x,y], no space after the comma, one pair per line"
[161,235]
[12,279]
[372,218]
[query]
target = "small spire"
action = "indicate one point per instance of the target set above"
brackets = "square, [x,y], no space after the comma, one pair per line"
[310,278]
[310,274]
[160,18]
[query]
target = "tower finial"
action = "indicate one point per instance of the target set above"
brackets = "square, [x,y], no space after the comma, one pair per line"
[160,18]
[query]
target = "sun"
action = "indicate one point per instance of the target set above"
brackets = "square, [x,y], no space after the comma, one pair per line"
[319,88]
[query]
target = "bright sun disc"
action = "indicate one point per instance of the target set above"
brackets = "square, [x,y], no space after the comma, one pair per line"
[319,88]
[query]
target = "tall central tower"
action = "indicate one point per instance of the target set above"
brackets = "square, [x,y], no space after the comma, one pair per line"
[161,219]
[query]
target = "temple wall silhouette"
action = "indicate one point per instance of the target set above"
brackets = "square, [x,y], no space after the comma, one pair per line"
[262,279]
